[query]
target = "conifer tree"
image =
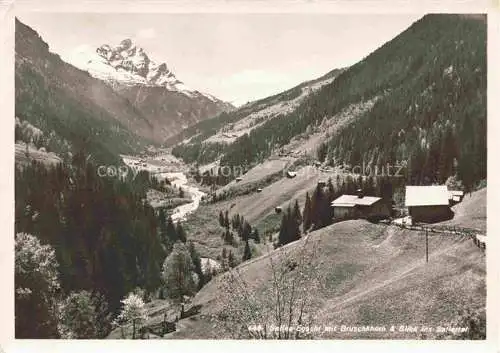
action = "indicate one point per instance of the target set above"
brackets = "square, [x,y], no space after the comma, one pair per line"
[240,230]
[246,231]
[247,254]
[223,260]
[229,238]
[255,235]
[181,234]
[226,220]
[283,234]
[307,214]
[295,220]
[237,221]
[36,282]
[290,227]
[221,219]
[97,226]
[195,258]
[171,232]
[231,261]
[133,312]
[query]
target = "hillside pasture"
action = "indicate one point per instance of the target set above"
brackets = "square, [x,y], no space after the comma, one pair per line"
[372,275]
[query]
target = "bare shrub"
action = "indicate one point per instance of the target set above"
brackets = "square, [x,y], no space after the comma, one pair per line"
[282,309]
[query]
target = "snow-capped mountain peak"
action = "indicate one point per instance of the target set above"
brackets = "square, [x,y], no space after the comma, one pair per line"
[127,64]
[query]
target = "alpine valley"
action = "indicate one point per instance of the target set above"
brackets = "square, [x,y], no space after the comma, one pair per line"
[112,100]
[148,209]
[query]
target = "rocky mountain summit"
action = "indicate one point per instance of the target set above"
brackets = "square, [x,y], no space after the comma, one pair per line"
[150,86]
[128,64]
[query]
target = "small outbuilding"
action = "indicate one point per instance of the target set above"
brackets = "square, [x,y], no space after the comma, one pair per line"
[359,206]
[455,196]
[290,174]
[428,203]
[480,240]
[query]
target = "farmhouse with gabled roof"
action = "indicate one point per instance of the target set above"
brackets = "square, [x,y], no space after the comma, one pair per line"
[359,206]
[428,203]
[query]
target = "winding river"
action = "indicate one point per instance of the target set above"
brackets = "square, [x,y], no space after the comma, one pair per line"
[178,179]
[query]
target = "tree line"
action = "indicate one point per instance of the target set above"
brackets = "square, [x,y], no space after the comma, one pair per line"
[317,211]
[243,230]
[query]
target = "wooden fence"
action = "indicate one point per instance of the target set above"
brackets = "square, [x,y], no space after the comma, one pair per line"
[475,235]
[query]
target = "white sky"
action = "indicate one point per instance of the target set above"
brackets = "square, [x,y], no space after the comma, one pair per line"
[236,57]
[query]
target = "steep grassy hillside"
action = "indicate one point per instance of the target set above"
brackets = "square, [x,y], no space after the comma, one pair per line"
[257,205]
[370,275]
[61,100]
[471,212]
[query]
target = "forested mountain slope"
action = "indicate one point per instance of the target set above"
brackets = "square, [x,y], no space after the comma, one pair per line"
[434,112]
[103,235]
[209,139]
[72,106]
[428,86]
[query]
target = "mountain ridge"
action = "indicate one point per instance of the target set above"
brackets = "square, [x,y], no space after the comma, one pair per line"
[127,63]
[419,89]
[51,93]
[60,99]
[150,86]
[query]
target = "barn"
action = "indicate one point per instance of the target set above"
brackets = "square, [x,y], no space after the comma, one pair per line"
[359,206]
[428,203]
